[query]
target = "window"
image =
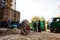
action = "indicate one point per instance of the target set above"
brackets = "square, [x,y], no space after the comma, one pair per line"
[57,19]
[50,20]
[2,3]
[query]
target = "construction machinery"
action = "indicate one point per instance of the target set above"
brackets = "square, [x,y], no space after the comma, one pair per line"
[54,25]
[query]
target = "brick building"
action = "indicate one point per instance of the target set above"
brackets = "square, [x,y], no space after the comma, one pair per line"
[9,3]
[7,13]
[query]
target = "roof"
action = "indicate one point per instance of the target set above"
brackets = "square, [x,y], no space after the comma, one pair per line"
[56,18]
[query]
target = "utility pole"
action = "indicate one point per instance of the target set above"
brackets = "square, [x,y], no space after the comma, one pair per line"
[14,10]
[15,4]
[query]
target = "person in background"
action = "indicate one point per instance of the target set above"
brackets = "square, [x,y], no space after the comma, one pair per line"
[34,25]
[39,26]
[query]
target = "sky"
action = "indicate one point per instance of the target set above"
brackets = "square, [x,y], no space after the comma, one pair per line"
[30,8]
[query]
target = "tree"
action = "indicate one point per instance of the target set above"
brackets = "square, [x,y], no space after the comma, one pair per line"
[42,19]
[35,18]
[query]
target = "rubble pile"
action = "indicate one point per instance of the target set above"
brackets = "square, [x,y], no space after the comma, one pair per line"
[14,31]
[9,31]
[33,36]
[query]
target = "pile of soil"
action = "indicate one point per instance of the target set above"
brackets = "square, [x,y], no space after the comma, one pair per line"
[9,31]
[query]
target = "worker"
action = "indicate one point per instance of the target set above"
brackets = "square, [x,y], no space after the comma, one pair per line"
[39,26]
[32,25]
[35,26]
[23,28]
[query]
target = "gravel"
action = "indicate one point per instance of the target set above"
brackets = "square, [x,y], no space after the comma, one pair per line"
[44,35]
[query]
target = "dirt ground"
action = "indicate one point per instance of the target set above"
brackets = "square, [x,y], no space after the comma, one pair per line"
[44,35]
